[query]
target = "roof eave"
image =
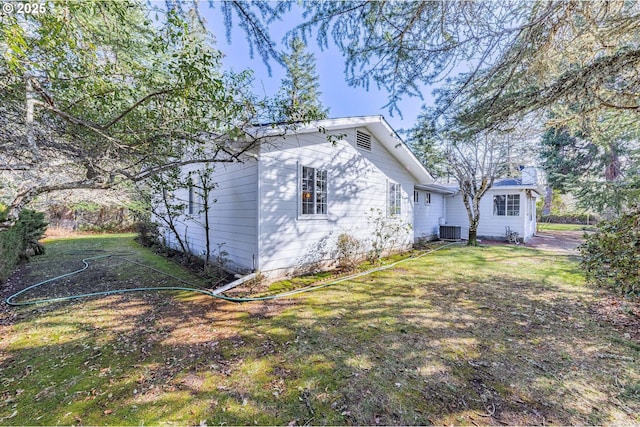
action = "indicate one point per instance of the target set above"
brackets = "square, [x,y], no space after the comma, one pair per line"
[434,188]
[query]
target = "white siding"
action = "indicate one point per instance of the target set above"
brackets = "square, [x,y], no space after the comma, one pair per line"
[427,216]
[530,221]
[357,182]
[235,215]
[492,226]
[232,218]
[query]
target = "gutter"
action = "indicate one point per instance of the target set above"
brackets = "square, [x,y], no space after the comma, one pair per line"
[435,188]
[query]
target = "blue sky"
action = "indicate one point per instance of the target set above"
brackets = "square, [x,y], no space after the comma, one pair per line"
[341,99]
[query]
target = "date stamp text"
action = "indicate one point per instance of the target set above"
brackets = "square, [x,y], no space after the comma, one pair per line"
[22,8]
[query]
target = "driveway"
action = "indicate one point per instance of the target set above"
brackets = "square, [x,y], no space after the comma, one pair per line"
[565,242]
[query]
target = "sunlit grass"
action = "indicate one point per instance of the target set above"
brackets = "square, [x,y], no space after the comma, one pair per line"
[487,335]
[549,226]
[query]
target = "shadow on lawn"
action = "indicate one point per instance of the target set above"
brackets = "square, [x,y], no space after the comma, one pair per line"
[427,350]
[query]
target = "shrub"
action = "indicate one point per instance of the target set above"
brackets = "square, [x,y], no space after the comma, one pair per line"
[91,217]
[611,256]
[387,233]
[21,240]
[571,218]
[148,234]
[349,250]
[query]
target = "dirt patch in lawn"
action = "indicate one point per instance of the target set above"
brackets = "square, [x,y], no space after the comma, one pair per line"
[622,314]
[561,242]
[557,241]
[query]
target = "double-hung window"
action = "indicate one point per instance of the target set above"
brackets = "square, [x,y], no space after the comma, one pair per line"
[513,205]
[394,202]
[427,198]
[508,205]
[314,191]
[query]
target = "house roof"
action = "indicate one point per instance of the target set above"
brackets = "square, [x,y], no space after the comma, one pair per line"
[498,184]
[507,182]
[383,132]
[437,188]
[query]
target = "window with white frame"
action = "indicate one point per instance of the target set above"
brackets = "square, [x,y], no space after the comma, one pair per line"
[532,209]
[416,196]
[427,198]
[506,205]
[394,200]
[314,191]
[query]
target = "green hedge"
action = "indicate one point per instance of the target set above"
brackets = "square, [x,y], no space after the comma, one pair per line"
[578,218]
[19,239]
[611,255]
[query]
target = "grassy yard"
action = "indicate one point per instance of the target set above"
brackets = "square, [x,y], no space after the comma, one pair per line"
[550,226]
[491,335]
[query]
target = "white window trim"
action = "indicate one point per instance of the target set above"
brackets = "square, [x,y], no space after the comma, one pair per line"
[314,216]
[506,205]
[399,213]
[519,204]
[427,198]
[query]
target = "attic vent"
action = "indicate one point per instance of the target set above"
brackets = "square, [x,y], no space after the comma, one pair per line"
[363,140]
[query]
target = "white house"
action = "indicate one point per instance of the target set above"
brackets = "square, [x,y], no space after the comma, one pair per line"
[282,209]
[510,202]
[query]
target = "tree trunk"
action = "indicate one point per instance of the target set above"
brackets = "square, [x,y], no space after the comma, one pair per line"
[207,228]
[548,198]
[169,220]
[473,212]
[473,237]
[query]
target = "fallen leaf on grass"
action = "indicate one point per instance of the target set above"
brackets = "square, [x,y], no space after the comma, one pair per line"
[10,416]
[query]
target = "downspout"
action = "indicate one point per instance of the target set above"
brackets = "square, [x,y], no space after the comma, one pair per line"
[256,257]
[235,283]
[444,208]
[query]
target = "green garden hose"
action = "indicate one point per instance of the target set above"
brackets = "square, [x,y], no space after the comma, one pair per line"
[191,287]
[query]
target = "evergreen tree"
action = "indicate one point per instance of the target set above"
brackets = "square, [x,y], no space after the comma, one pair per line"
[425,144]
[599,169]
[565,158]
[301,85]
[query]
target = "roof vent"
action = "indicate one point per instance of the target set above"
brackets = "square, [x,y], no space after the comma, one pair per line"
[363,140]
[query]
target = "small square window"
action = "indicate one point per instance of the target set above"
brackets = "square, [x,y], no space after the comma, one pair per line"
[506,205]
[513,205]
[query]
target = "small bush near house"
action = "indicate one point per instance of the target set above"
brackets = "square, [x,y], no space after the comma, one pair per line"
[349,252]
[611,256]
[387,233]
[21,240]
